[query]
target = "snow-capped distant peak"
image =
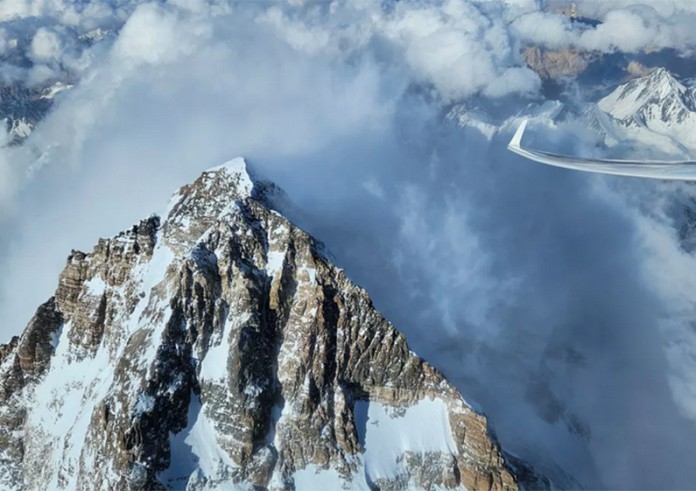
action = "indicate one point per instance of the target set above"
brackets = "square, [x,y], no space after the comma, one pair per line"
[664,77]
[658,103]
[657,89]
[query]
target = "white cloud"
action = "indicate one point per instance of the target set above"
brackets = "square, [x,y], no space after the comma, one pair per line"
[523,5]
[9,180]
[625,26]
[550,30]
[442,45]
[10,9]
[45,45]
[665,8]
[621,30]
[437,44]
[39,74]
[299,35]
[154,35]
[513,81]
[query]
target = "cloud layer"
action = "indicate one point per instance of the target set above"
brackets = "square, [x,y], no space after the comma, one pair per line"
[559,303]
[625,26]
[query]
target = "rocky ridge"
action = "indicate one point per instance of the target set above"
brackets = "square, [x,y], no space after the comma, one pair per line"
[218,347]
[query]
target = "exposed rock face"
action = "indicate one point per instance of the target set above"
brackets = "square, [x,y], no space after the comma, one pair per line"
[218,347]
[551,64]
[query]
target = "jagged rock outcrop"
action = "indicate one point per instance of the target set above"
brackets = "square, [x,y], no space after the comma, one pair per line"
[217,346]
[552,64]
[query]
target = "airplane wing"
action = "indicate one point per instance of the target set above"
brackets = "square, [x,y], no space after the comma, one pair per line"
[682,170]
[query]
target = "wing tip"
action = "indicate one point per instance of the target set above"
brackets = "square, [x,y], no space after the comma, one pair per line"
[516,141]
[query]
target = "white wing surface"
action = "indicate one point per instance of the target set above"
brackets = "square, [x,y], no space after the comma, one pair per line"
[682,170]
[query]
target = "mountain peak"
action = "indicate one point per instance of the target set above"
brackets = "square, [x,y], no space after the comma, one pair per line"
[218,348]
[236,172]
[235,165]
[659,72]
[655,96]
[662,78]
[214,196]
[230,181]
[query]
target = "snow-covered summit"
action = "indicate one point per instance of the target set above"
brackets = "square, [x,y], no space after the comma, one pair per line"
[217,348]
[657,95]
[219,185]
[657,102]
[237,171]
[214,197]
